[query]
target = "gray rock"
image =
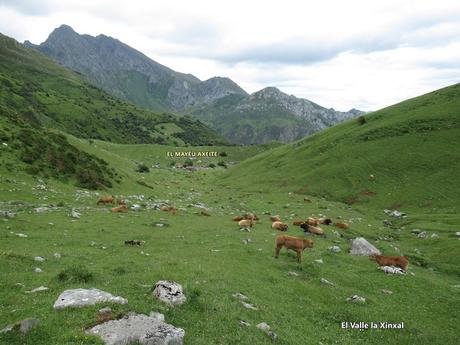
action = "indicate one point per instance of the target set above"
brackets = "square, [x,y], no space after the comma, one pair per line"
[326,282]
[434,236]
[457,234]
[416,231]
[319,261]
[38,270]
[38,289]
[42,209]
[75,214]
[7,214]
[26,325]
[360,246]
[248,305]
[356,299]
[21,235]
[240,296]
[386,292]
[263,326]
[423,234]
[335,249]
[158,316]
[293,274]
[136,207]
[244,323]
[169,292]
[392,270]
[272,335]
[57,255]
[39,258]
[83,297]
[23,326]
[138,328]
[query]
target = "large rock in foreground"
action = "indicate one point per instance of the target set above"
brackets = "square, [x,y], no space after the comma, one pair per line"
[84,297]
[169,292]
[360,246]
[138,328]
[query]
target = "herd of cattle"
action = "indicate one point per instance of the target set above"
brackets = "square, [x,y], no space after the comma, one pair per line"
[297,244]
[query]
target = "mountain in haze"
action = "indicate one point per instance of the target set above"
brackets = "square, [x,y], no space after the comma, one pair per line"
[261,117]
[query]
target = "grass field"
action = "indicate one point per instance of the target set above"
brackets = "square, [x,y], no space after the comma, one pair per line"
[208,257]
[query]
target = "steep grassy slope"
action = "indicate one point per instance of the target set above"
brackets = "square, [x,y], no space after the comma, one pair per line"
[208,257]
[411,148]
[38,90]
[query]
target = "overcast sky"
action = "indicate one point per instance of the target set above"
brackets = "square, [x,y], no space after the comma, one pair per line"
[341,54]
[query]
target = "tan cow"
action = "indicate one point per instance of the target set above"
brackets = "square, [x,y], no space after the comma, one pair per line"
[107,199]
[294,243]
[398,261]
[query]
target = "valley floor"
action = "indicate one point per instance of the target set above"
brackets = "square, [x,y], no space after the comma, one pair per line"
[212,259]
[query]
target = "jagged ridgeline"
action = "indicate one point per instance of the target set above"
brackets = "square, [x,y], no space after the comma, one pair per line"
[39,99]
[44,93]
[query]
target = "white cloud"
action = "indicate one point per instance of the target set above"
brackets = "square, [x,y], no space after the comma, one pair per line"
[341,54]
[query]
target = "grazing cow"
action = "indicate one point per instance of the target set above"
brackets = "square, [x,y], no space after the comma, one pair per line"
[312,221]
[342,225]
[108,199]
[398,261]
[237,218]
[170,209]
[206,214]
[313,229]
[306,200]
[133,242]
[325,221]
[251,216]
[294,243]
[275,218]
[280,226]
[245,224]
[298,222]
[121,208]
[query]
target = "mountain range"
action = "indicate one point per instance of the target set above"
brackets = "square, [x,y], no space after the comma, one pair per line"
[242,118]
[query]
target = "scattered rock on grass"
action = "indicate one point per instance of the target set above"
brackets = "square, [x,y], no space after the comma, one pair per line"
[75,214]
[244,323]
[392,270]
[360,246]
[38,270]
[293,274]
[84,297]
[319,261]
[356,299]
[39,289]
[263,326]
[240,296]
[248,305]
[23,326]
[326,282]
[138,328]
[386,292]
[272,335]
[169,292]
[423,234]
[335,249]
[457,234]
[39,258]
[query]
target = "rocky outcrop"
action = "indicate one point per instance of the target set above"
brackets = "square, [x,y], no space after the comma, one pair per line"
[360,246]
[84,297]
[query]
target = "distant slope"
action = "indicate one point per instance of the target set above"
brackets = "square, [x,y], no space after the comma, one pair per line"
[267,115]
[129,74]
[36,89]
[412,149]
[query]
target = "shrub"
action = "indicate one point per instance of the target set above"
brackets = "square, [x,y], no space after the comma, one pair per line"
[212,165]
[75,274]
[362,120]
[223,154]
[142,168]
[222,164]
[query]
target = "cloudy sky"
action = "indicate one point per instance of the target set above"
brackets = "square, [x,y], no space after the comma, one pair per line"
[340,54]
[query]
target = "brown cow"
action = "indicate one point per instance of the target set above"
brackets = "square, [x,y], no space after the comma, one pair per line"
[313,229]
[121,208]
[108,199]
[170,209]
[245,224]
[280,226]
[298,222]
[251,216]
[275,218]
[312,221]
[342,225]
[294,243]
[325,221]
[237,218]
[398,261]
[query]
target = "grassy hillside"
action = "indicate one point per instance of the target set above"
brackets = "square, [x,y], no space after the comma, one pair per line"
[411,148]
[43,93]
[208,257]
